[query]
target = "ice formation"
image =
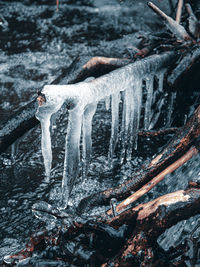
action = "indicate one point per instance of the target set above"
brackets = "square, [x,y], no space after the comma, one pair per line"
[82,98]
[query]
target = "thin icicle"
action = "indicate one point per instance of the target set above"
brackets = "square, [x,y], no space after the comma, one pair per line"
[82,96]
[149,88]
[107,102]
[170,109]
[127,123]
[86,136]
[160,77]
[138,106]
[46,145]
[72,153]
[115,125]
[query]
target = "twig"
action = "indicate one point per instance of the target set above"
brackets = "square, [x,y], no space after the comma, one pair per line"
[178,30]
[147,187]
[158,133]
[179,11]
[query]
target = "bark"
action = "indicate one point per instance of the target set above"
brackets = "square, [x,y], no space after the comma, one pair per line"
[147,187]
[153,218]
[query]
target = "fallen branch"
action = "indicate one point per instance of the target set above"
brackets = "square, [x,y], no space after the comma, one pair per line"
[179,11]
[122,240]
[160,132]
[153,218]
[146,188]
[81,68]
[177,29]
[180,143]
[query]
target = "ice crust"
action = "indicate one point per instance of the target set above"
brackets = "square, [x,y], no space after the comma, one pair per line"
[81,100]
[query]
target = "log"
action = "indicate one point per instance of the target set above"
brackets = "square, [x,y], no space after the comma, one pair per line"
[24,119]
[181,142]
[153,218]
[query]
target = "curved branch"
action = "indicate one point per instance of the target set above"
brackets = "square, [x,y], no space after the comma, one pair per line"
[185,137]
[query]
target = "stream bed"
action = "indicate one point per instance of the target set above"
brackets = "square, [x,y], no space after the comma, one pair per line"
[36,42]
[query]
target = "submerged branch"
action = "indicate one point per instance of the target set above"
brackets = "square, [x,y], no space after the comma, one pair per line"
[181,142]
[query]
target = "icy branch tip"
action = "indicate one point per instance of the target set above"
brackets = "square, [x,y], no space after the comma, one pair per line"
[41,99]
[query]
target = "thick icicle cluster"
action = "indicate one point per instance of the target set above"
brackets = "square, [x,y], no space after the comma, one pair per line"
[82,99]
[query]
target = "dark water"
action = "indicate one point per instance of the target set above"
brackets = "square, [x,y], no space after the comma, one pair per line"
[36,41]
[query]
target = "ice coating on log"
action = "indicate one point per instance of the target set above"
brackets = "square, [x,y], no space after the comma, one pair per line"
[81,100]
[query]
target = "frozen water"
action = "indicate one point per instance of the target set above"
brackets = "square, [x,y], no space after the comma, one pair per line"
[115,125]
[107,102]
[86,138]
[147,115]
[81,100]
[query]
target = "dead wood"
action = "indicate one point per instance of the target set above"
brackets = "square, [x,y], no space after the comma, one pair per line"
[81,68]
[177,29]
[179,11]
[147,187]
[153,218]
[185,137]
[129,239]
[184,70]
[160,132]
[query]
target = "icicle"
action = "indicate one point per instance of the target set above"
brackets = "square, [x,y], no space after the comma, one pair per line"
[115,126]
[149,88]
[137,112]
[107,102]
[170,109]
[127,123]
[46,145]
[80,99]
[72,153]
[86,136]
[160,77]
